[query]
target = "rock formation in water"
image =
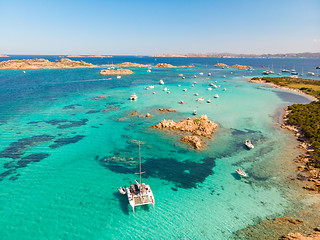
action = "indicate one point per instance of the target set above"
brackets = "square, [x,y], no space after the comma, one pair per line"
[44,63]
[166,110]
[164,65]
[119,71]
[197,127]
[222,65]
[241,67]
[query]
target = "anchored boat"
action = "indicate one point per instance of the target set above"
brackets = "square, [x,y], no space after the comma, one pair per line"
[249,144]
[139,193]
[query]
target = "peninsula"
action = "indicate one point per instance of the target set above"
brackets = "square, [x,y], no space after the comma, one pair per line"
[196,127]
[304,120]
[119,71]
[41,63]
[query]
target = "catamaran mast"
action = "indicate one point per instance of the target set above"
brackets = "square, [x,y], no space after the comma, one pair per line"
[140,169]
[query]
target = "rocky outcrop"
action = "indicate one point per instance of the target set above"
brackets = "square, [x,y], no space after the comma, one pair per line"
[44,63]
[195,141]
[297,236]
[119,71]
[126,64]
[164,65]
[166,110]
[241,67]
[222,65]
[199,127]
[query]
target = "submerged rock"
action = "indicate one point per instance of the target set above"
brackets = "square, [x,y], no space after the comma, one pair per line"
[166,110]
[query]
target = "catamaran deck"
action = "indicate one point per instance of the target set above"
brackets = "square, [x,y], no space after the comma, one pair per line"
[137,198]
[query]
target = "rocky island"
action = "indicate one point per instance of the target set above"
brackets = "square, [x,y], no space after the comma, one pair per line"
[222,65]
[241,67]
[164,65]
[196,127]
[126,64]
[119,71]
[2,55]
[41,63]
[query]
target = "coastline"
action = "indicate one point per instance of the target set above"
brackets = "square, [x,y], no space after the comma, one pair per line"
[302,222]
[272,85]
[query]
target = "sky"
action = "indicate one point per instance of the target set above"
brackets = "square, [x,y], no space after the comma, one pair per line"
[140,27]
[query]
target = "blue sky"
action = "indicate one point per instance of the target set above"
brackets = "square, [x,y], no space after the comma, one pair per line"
[130,27]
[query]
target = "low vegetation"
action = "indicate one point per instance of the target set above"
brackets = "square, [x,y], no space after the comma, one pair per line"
[308,86]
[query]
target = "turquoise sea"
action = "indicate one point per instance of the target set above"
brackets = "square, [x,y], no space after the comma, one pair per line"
[68,141]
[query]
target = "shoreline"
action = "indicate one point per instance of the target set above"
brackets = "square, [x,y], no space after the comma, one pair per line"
[297,177]
[272,85]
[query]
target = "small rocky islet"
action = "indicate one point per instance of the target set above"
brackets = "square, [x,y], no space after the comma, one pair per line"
[194,127]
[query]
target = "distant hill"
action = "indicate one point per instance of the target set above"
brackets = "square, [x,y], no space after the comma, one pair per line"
[232,55]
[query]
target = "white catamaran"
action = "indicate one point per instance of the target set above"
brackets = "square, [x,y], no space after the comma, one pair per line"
[140,193]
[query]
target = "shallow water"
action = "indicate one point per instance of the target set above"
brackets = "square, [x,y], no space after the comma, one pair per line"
[58,179]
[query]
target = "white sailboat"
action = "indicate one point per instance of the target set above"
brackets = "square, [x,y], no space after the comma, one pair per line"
[139,193]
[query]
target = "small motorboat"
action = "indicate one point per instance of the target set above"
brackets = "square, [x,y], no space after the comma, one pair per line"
[224,89]
[151,86]
[168,91]
[241,172]
[185,89]
[161,82]
[122,190]
[165,89]
[201,73]
[148,70]
[183,77]
[196,94]
[195,82]
[209,88]
[118,77]
[24,71]
[200,99]
[211,84]
[209,74]
[192,85]
[194,76]
[194,112]
[249,144]
[209,101]
[182,102]
[179,85]
[133,97]
[154,93]
[216,96]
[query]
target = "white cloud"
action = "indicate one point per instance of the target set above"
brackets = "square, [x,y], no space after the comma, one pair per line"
[316,40]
